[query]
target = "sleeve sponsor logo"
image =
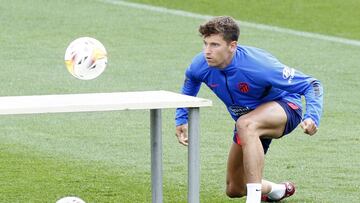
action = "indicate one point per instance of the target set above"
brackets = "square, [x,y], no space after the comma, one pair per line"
[317,89]
[288,73]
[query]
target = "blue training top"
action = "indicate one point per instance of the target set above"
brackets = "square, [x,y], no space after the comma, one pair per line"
[252,78]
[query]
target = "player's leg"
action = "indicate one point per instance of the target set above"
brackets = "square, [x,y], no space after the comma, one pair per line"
[235,178]
[268,120]
[235,182]
[284,189]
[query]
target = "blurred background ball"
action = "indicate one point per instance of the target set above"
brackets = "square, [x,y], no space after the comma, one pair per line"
[86,58]
[70,200]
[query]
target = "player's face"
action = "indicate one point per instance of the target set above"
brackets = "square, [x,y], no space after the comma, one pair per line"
[217,51]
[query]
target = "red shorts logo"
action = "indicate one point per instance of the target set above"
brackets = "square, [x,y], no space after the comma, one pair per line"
[243,87]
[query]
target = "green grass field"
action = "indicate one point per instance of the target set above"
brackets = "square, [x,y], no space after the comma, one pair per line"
[333,17]
[104,157]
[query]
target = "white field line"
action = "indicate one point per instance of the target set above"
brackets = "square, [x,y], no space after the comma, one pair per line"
[242,23]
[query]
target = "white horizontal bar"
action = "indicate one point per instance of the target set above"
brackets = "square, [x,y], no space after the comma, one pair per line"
[97,102]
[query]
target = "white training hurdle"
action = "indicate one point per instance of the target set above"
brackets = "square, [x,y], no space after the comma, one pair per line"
[148,100]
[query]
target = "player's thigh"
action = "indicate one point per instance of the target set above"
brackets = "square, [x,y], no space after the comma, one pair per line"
[269,120]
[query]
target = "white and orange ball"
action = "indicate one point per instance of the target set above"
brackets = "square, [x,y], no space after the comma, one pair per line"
[86,58]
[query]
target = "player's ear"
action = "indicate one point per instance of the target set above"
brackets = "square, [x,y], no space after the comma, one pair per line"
[233,46]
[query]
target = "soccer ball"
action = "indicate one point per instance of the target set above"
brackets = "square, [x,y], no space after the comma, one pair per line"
[70,200]
[86,58]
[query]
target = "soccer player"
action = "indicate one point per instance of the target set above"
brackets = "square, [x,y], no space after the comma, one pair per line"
[262,95]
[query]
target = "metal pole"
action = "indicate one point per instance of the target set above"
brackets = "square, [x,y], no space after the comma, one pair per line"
[156,155]
[194,156]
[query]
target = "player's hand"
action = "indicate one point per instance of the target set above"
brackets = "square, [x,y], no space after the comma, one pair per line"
[182,134]
[309,126]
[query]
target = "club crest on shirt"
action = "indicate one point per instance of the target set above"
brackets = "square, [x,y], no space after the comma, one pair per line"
[288,73]
[243,87]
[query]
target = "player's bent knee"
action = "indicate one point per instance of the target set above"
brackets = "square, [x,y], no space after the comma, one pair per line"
[246,126]
[234,192]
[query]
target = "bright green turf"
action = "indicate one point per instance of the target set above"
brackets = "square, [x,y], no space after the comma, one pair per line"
[332,17]
[104,157]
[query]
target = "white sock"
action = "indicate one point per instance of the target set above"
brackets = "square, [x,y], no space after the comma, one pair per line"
[253,193]
[277,191]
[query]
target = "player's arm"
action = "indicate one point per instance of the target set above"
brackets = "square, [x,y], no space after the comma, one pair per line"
[314,104]
[294,81]
[272,73]
[190,87]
